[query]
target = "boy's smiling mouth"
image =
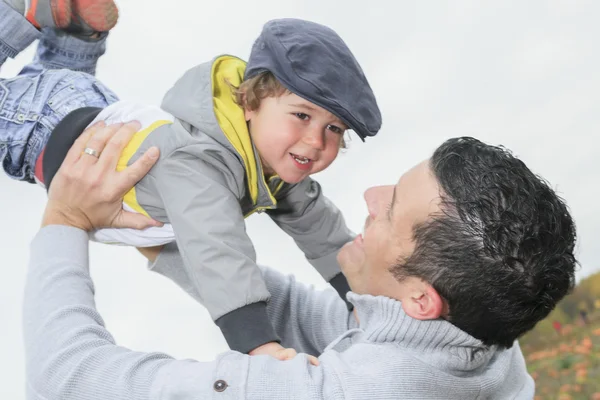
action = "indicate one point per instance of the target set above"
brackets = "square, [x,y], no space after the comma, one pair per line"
[300,159]
[303,163]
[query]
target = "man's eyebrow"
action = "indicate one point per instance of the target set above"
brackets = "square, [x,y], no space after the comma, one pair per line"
[392,203]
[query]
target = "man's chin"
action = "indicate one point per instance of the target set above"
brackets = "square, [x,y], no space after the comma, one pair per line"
[349,263]
[351,254]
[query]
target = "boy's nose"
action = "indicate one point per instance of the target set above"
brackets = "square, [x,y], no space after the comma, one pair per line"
[314,138]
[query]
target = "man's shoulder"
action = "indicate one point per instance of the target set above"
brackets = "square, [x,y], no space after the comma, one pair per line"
[438,373]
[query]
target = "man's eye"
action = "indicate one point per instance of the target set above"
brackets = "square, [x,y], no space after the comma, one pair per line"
[335,129]
[302,116]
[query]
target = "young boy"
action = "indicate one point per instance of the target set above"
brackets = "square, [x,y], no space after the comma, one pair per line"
[235,138]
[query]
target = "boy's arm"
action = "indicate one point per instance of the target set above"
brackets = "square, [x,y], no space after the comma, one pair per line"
[304,318]
[219,260]
[318,228]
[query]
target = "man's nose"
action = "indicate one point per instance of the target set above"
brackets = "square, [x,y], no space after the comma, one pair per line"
[377,198]
[314,138]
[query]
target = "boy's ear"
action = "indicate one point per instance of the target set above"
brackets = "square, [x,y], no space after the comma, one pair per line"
[248,114]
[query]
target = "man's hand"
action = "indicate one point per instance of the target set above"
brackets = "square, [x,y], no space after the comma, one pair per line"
[356,315]
[151,253]
[279,352]
[87,191]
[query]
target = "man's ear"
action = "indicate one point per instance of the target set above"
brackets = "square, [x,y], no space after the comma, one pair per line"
[423,302]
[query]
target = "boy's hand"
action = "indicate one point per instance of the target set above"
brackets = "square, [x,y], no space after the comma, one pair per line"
[279,352]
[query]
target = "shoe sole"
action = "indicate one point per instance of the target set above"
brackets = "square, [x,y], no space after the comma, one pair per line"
[100,15]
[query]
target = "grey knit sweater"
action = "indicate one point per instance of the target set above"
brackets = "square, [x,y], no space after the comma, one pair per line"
[70,355]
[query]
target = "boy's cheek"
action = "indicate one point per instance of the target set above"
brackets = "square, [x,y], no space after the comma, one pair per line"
[334,153]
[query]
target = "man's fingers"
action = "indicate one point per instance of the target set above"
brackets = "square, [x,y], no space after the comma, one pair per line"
[286,354]
[80,144]
[313,360]
[136,171]
[132,220]
[99,139]
[98,142]
[116,144]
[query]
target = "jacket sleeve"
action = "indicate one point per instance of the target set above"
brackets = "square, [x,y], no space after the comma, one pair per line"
[218,257]
[318,228]
[304,318]
[70,355]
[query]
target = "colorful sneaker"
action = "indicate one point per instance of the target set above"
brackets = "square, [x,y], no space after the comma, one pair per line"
[91,16]
[76,16]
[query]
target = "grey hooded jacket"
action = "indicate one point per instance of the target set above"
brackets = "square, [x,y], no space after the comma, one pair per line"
[207,180]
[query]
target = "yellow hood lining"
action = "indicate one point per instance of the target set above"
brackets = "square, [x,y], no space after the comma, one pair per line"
[227,71]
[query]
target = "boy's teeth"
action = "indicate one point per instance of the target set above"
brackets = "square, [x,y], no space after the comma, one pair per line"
[301,160]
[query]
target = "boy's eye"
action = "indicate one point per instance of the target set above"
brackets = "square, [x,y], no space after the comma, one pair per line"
[302,116]
[335,129]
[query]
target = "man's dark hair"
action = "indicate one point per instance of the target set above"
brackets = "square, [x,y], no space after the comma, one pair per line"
[501,251]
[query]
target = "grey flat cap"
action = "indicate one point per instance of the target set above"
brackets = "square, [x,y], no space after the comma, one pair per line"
[313,62]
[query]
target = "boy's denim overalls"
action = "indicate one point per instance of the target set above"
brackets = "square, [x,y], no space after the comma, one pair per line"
[59,80]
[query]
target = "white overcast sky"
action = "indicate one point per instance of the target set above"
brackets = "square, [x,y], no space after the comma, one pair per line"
[521,74]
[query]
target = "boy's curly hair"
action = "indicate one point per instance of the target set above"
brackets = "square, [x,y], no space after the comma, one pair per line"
[252,91]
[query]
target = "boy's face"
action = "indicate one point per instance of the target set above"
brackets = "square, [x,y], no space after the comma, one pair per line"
[294,137]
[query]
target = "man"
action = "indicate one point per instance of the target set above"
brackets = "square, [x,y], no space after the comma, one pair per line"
[463,255]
